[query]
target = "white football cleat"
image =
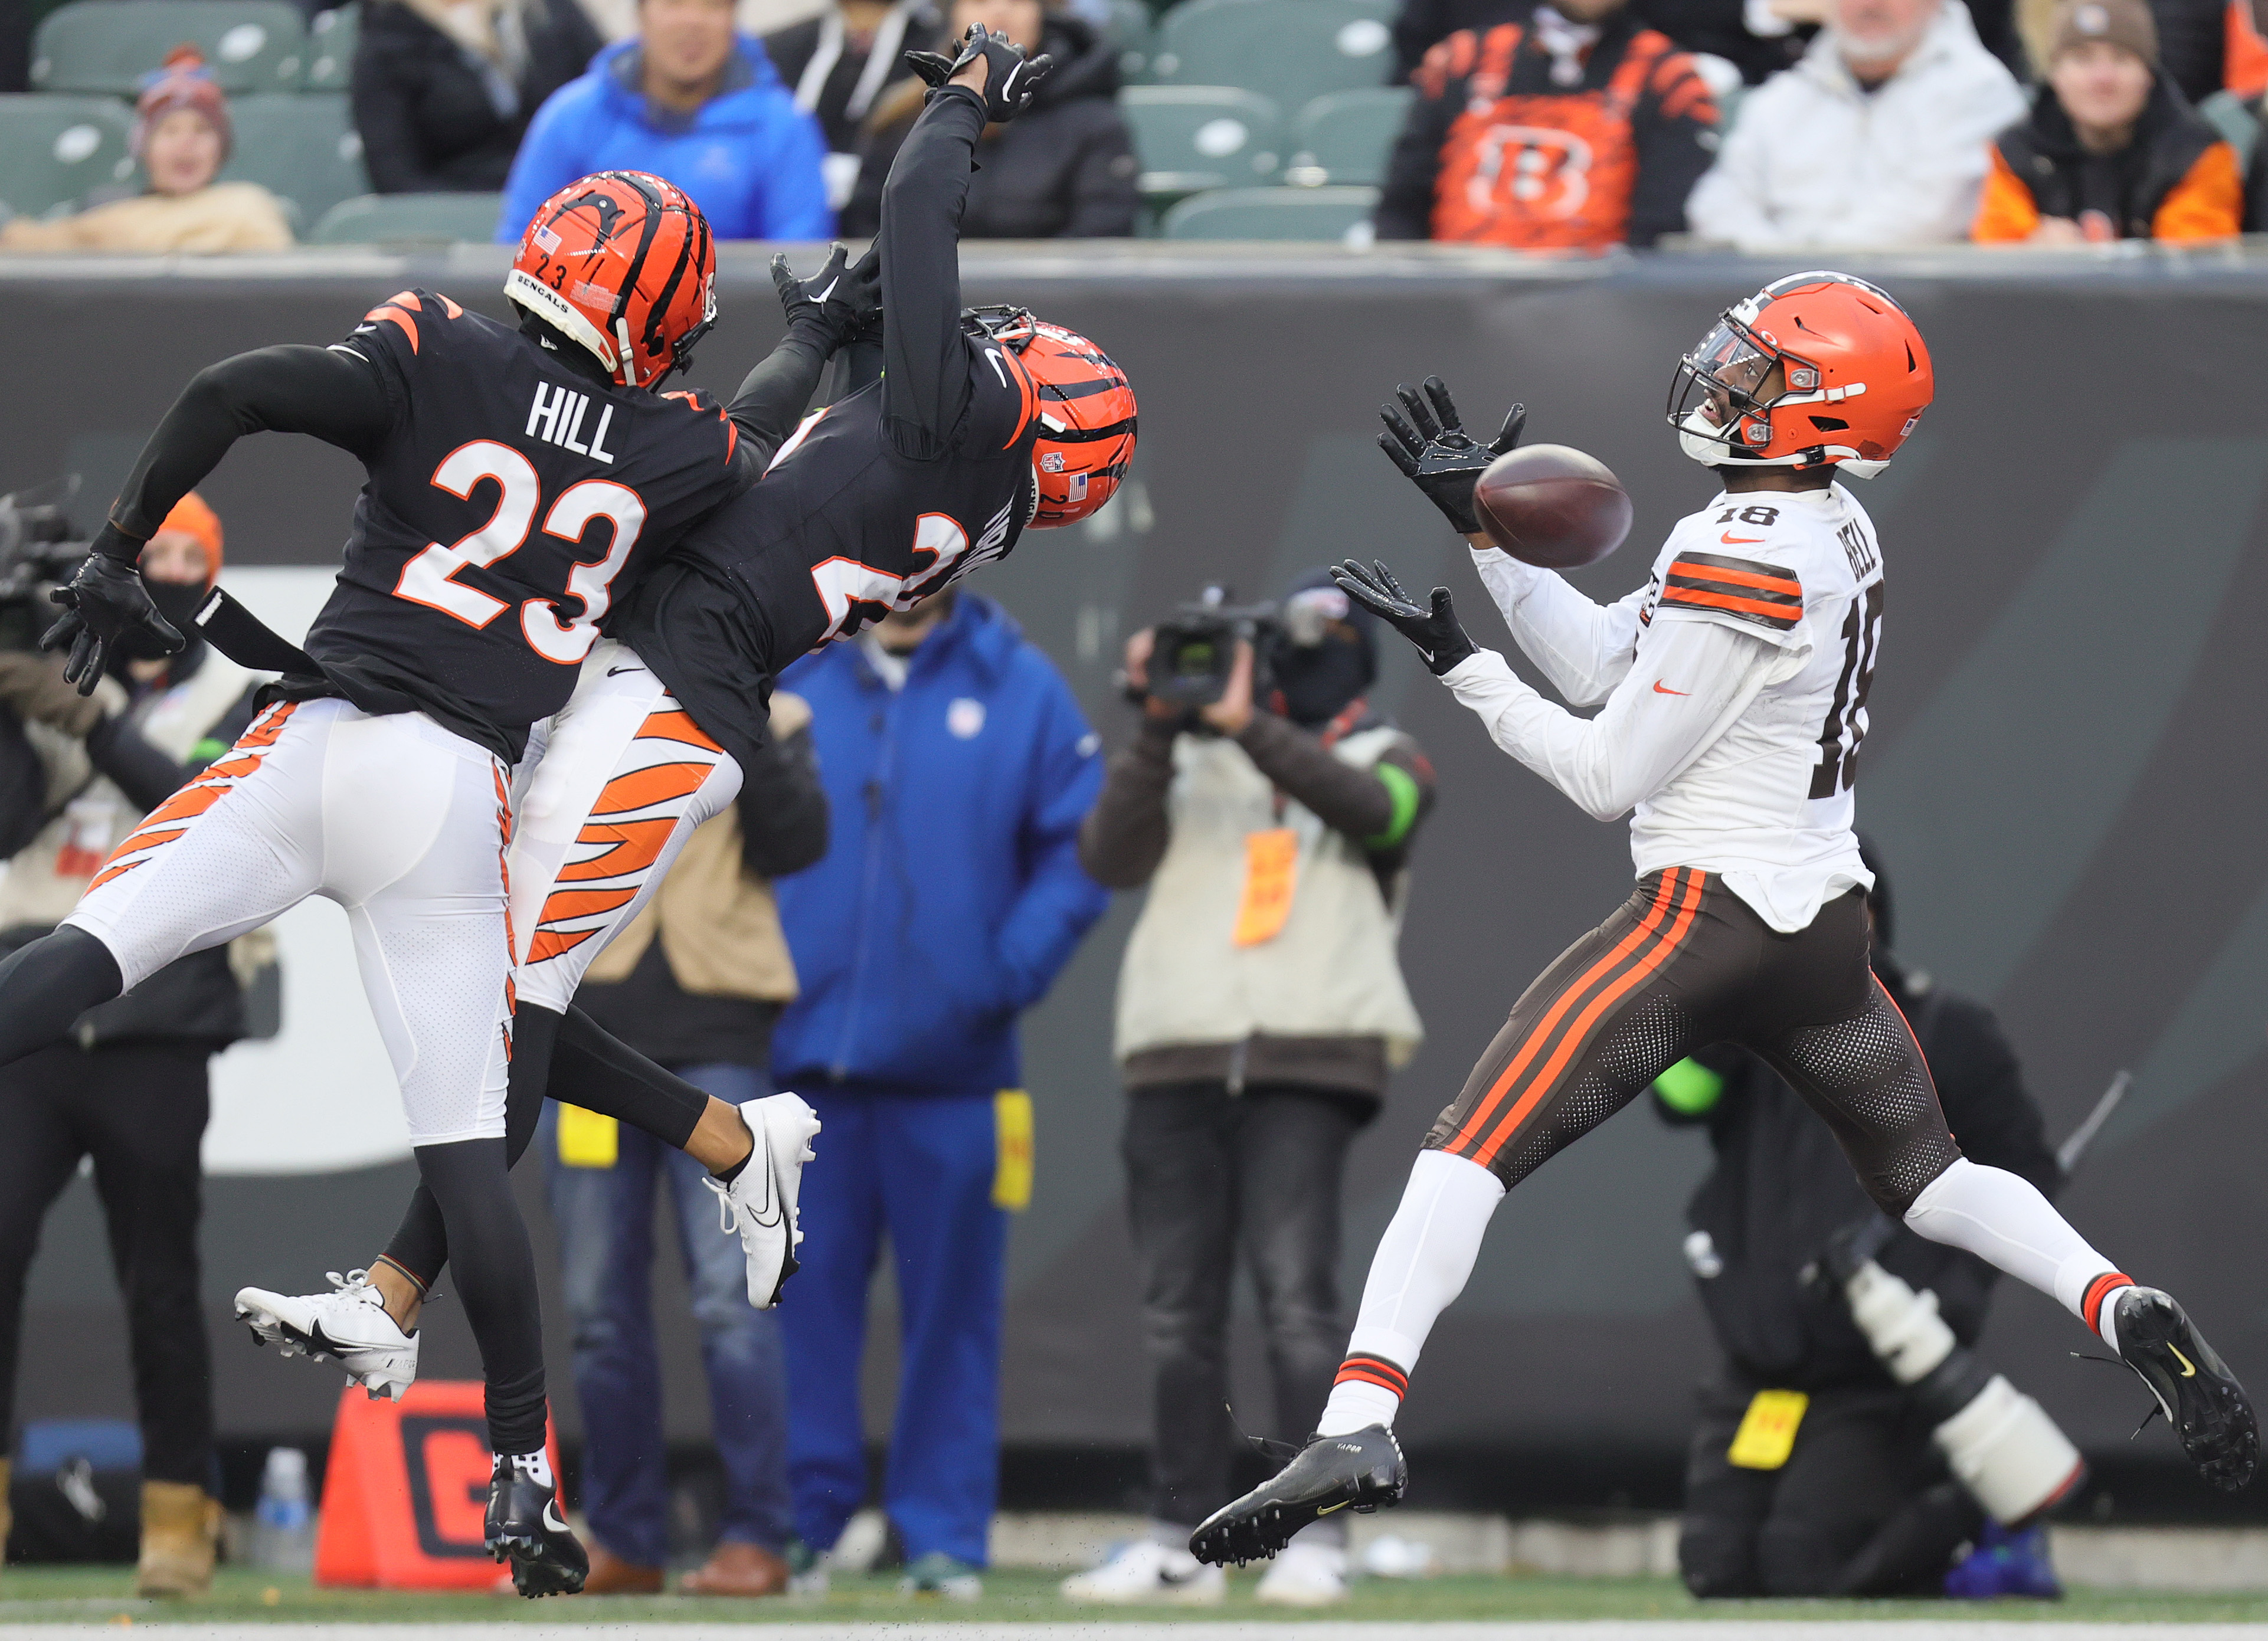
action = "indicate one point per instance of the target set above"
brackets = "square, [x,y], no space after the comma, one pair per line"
[760,1202]
[1305,1575]
[349,1325]
[1145,1571]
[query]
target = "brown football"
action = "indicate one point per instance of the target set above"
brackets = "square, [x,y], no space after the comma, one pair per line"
[1552,506]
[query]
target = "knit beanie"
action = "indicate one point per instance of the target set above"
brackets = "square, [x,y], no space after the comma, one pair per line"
[2126,23]
[194,516]
[183,83]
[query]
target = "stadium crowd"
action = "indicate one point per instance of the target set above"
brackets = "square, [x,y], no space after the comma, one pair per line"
[1764,125]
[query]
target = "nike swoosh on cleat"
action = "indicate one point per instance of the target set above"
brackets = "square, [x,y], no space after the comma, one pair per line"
[551,1516]
[1327,1509]
[2188,1369]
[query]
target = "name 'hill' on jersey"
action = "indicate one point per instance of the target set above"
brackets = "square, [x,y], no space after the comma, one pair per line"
[507,500]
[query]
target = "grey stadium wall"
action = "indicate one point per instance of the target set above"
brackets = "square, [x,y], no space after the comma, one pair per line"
[2065,771]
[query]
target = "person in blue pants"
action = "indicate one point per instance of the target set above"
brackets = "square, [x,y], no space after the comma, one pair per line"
[958,767]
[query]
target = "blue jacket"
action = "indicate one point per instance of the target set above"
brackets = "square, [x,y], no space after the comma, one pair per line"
[749,158]
[951,895]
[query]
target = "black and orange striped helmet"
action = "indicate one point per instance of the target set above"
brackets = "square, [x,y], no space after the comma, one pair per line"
[1086,409]
[622,263]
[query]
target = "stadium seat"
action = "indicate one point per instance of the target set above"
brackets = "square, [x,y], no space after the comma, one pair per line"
[331,39]
[53,150]
[1289,51]
[1346,136]
[111,46]
[1133,32]
[2231,116]
[304,149]
[411,219]
[1342,214]
[1195,137]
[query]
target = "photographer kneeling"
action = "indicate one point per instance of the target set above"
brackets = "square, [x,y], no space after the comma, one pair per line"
[131,1093]
[1260,1008]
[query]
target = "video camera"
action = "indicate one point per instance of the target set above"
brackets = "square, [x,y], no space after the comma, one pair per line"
[1196,648]
[38,550]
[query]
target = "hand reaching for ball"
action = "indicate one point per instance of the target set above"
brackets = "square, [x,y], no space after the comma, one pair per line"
[1431,446]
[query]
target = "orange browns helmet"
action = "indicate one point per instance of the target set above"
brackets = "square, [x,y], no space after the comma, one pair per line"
[1085,408]
[622,263]
[1813,370]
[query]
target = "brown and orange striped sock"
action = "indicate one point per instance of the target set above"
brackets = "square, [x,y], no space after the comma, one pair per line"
[1368,1391]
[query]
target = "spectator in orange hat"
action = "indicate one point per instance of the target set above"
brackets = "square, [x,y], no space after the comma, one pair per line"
[2111,150]
[129,1092]
[181,136]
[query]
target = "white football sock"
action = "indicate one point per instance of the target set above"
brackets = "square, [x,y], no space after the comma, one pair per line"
[1421,1265]
[536,1465]
[2001,1217]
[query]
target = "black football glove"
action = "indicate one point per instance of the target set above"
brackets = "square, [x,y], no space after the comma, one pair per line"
[104,602]
[1435,453]
[1010,79]
[1438,633]
[841,299]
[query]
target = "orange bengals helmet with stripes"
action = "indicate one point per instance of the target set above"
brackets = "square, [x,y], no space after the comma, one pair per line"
[1816,368]
[622,263]
[1086,413]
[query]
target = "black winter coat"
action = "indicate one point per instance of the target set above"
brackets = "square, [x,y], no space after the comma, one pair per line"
[1781,1188]
[793,47]
[427,122]
[1064,169]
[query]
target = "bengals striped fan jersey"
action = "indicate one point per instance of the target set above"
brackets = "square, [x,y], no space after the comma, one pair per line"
[1769,801]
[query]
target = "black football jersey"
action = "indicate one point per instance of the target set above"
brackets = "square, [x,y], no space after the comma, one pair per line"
[841,529]
[511,502]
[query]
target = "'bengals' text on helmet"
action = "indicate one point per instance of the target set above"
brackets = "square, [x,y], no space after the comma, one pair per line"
[620,263]
[1814,370]
[1086,410]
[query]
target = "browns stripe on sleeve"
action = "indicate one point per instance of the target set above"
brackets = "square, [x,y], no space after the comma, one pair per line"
[1763,593]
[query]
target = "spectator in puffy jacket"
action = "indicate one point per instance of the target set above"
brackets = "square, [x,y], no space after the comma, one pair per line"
[181,134]
[690,100]
[958,769]
[840,63]
[443,91]
[1575,129]
[1065,170]
[1878,138]
[2111,151]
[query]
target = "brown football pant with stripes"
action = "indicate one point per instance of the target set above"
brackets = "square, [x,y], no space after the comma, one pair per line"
[1683,964]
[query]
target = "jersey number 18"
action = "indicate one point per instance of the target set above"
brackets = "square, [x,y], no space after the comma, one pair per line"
[430,579]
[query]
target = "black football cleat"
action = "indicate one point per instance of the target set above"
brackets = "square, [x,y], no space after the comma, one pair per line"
[1362,1470]
[2200,1397]
[525,1527]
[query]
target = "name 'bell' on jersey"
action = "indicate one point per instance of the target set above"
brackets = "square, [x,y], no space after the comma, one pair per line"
[1769,802]
[508,498]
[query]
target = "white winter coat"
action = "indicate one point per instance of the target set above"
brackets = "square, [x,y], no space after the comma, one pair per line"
[1814,161]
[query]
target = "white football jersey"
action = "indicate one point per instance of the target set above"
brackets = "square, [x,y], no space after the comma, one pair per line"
[1769,802]
[1732,755]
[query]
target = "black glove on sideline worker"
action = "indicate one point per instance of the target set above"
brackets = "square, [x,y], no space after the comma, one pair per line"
[1010,79]
[104,602]
[1438,633]
[844,300]
[1435,453]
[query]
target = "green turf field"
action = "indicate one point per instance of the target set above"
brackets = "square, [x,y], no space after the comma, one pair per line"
[36,1595]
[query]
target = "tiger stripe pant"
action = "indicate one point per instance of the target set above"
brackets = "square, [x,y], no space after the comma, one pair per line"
[1683,964]
[611,789]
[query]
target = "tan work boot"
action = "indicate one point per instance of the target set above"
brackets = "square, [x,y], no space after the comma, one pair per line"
[180,1534]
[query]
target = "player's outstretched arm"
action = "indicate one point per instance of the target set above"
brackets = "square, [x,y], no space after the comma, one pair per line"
[331,392]
[926,385]
[1693,679]
[823,312]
